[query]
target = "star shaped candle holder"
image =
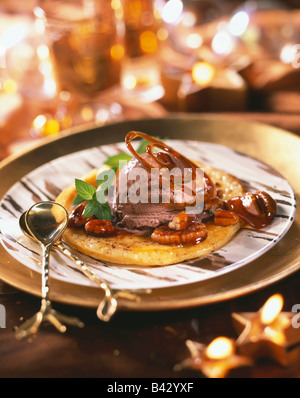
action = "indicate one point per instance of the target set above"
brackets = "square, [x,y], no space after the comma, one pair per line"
[268,333]
[215,360]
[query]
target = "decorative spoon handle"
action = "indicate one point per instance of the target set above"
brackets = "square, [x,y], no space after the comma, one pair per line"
[108,305]
[46,312]
[45,274]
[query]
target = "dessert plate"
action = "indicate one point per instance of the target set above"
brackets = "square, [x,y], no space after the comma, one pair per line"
[45,181]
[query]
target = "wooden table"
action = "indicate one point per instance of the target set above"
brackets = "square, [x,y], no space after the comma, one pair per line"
[133,344]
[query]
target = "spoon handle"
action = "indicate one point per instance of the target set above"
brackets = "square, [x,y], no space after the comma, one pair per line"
[45,273]
[108,305]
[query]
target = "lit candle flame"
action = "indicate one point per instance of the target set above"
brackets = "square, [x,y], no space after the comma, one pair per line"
[203,73]
[271,309]
[219,348]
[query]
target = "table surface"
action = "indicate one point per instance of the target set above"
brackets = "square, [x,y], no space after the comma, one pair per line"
[133,344]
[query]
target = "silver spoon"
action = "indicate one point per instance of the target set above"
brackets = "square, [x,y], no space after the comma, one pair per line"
[46,222]
[108,305]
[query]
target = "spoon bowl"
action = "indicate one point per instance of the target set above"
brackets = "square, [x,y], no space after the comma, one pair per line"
[23,227]
[46,222]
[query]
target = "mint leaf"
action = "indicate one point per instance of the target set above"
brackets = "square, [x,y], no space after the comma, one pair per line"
[103,211]
[87,192]
[114,160]
[99,210]
[90,209]
[77,200]
[143,145]
[84,189]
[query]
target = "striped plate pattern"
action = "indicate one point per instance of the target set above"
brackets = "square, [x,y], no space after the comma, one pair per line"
[45,182]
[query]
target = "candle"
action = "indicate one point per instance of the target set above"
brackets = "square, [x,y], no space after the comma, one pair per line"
[171,79]
[267,333]
[270,75]
[215,360]
[86,53]
[208,88]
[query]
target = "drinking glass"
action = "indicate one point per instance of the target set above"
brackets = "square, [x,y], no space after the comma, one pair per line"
[86,46]
[140,72]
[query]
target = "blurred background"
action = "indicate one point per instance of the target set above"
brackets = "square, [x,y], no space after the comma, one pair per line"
[69,63]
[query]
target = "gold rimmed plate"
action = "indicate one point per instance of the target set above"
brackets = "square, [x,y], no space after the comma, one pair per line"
[248,145]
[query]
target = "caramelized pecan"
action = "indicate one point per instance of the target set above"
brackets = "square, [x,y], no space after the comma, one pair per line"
[76,219]
[180,221]
[225,217]
[99,227]
[266,203]
[213,204]
[257,209]
[194,233]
